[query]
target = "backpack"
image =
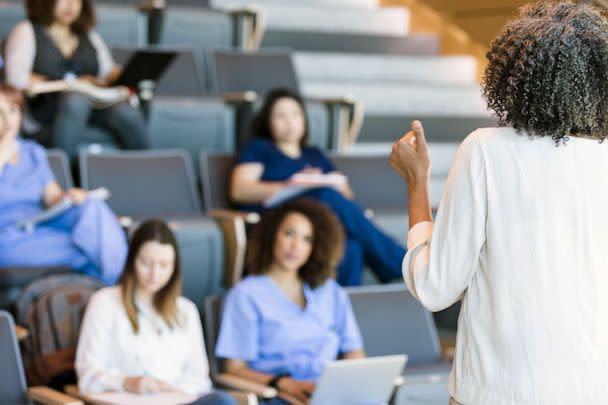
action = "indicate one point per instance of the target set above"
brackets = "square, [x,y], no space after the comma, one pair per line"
[51,308]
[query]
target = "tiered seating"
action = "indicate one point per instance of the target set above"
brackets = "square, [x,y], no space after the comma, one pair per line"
[165,187]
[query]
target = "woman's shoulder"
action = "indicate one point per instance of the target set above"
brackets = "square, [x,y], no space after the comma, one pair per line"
[31,148]
[491,135]
[330,288]
[108,297]
[251,287]
[107,294]
[23,29]
[186,306]
[259,143]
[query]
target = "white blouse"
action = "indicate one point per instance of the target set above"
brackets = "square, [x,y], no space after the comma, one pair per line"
[20,52]
[522,236]
[109,350]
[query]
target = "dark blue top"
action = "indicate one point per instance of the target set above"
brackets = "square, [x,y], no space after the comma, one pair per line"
[277,165]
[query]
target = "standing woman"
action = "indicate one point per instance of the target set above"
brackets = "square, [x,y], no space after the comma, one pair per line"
[522,227]
[58,42]
[86,237]
[141,336]
[277,151]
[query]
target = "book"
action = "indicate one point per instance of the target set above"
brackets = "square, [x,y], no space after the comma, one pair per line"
[303,182]
[125,398]
[319,179]
[100,97]
[30,223]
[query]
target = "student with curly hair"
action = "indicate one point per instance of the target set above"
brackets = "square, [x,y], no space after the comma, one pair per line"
[282,324]
[522,226]
[270,161]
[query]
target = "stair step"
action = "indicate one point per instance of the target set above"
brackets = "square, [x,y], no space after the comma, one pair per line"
[311,41]
[365,4]
[341,67]
[438,128]
[407,98]
[298,17]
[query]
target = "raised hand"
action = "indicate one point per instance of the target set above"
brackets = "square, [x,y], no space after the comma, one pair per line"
[410,156]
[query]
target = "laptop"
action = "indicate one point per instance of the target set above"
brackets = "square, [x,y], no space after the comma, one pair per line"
[145,64]
[368,381]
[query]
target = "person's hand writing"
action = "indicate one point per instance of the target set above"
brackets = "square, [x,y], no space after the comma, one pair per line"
[145,385]
[300,390]
[410,156]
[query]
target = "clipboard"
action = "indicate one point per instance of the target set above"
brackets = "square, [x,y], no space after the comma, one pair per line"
[145,64]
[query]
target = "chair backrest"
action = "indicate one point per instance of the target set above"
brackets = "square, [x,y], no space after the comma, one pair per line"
[212,318]
[193,124]
[236,72]
[182,78]
[144,183]
[404,327]
[215,179]
[12,377]
[120,25]
[198,28]
[363,173]
[58,160]
[11,13]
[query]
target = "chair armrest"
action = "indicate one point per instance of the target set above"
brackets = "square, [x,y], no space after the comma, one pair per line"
[250,23]
[47,396]
[234,231]
[148,5]
[244,97]
[347,115]
[241,384]
[250,218]
[244,398]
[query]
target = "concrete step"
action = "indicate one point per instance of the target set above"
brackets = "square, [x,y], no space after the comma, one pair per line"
[313,41]
[311,17]
[439,128]
[348,67]
[422,99]
[365,4]
[442,154]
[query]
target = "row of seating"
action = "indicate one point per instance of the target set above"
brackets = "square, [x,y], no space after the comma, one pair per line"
[167,185]
[405,327]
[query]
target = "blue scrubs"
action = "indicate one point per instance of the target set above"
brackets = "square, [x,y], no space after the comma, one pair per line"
[262,326]
[365,242]
[87,238]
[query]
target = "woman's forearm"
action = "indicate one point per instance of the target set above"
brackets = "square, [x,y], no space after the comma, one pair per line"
[250,375]
[253,193]
[419,202]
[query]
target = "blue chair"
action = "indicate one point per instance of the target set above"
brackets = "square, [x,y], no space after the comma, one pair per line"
[13,388]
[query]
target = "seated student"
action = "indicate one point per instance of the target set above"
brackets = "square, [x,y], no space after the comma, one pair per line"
[141,336]
[278,151]
[286,321]
[58,42]
[86,237]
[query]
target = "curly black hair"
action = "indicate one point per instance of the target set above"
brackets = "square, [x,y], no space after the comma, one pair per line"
[328,240]
[548,72]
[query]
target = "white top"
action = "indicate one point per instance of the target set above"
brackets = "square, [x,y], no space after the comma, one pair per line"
[521,234]
[20,52]
[109,350]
